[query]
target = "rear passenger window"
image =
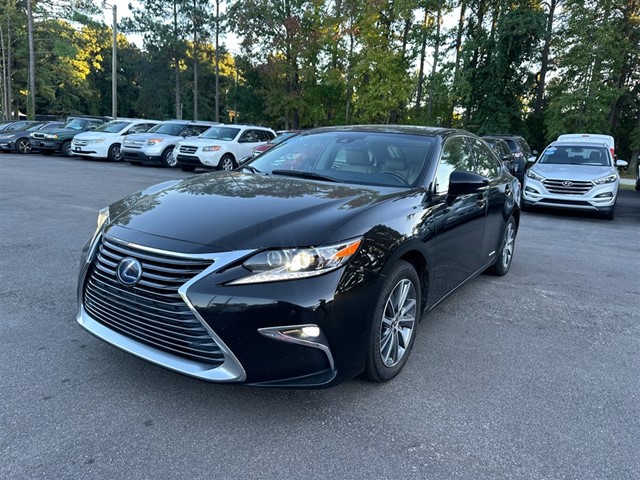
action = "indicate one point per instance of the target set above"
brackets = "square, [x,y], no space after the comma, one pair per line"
[486,162]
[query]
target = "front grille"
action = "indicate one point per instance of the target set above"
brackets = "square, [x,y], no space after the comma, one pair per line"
[556,201]
[37,135]
[188,149]
[152,312]
[567,187]
[80,143]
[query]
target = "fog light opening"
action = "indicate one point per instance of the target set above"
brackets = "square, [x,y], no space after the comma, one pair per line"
[605,195]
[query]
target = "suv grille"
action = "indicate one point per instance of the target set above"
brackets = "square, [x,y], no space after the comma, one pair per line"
[188,149]
[152,312]
[567,187]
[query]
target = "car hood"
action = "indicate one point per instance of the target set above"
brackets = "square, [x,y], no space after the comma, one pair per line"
[92,135]
[572,172]
[237,211]
[199,142]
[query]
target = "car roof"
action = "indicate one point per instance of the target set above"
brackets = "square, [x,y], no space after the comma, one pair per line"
[569,143]
[406,129]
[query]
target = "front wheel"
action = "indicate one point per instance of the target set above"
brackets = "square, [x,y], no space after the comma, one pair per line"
[66,148]
[226,163]
[23,146]
[114,154]
[505,255]
[168,159]
[394,324]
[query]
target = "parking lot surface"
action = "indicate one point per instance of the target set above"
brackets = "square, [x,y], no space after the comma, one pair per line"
[533,375]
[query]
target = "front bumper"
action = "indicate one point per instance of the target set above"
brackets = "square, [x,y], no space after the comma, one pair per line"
[8,146]
[259,327]
[52,145]
[140,156]
[93,150]
[599,198]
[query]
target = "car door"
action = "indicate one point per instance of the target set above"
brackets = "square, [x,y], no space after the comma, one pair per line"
[460,220]
[249,139]
[500,197]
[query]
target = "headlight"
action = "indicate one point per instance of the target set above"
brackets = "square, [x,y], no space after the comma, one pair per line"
[129,142]
[532,174]
[603,180]
[153,141]
[51,136]
[211,148]
[6,137]
[289,264]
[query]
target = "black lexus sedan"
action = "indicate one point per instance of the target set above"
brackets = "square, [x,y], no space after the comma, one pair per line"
[309,265]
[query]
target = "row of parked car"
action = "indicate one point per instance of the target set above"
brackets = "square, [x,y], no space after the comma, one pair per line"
[172,143]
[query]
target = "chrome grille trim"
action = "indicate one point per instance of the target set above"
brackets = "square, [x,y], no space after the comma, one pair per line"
[562,187]
[81,143]
[136,315]
[229,371]
[188,149]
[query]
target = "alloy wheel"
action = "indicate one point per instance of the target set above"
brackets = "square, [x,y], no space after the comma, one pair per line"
[398,322]
[509,240]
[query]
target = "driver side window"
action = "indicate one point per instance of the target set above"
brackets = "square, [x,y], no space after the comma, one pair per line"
[455,156]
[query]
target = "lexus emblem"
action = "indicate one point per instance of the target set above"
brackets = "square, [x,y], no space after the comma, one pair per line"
[129,271]
[567,184]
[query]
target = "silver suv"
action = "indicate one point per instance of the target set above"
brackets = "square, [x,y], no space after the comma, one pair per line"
[156,146]
[574,175]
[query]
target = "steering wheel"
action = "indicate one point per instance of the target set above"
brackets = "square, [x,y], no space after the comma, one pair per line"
[397,175]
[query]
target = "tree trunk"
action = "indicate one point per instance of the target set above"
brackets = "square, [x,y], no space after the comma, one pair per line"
[544,60]
[31,100]
[434,64]
[423,50]
[456,70]
[217,93]
[176,59]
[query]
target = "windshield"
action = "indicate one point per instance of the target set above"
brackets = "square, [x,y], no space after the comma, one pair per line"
[75,124]
[114,126]
[221,133]
[168,128]
[367,158]
[576,155]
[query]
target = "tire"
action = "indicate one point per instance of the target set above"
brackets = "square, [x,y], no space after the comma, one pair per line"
[505,255]
[114,154]
[394,323]
[23,146]
[65,148]
[611,214]
[167,159]
[187,168]
[226,163]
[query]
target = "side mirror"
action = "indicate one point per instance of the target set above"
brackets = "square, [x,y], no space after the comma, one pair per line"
[532,158]
[463,181]
[622,163]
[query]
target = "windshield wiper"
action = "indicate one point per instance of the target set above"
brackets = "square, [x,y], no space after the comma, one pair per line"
[309,175]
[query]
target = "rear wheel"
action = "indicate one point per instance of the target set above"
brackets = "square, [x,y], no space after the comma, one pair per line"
[167,159]
[505,255]
[114,154]
[394,324]
[23,146]
[226,163]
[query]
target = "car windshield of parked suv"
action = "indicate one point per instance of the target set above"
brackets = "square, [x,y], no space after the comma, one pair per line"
[367,158]
[173,129]
[76,124]
[576,155]
[112,127]
[221,133]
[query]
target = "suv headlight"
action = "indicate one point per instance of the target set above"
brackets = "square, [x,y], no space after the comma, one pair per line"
[293,263]
[153,141]
[211,148]
[604,180]
[532,174]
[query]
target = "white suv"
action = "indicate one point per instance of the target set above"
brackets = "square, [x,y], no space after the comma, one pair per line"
[221,147]
[106,140]
[574,175]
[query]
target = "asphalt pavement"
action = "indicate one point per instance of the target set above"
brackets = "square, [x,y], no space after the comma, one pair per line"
[534,375]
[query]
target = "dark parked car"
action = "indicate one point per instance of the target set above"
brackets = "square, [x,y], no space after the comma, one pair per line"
[49,143]
[18,140]
[521,151]
[309,265]
[504,153]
